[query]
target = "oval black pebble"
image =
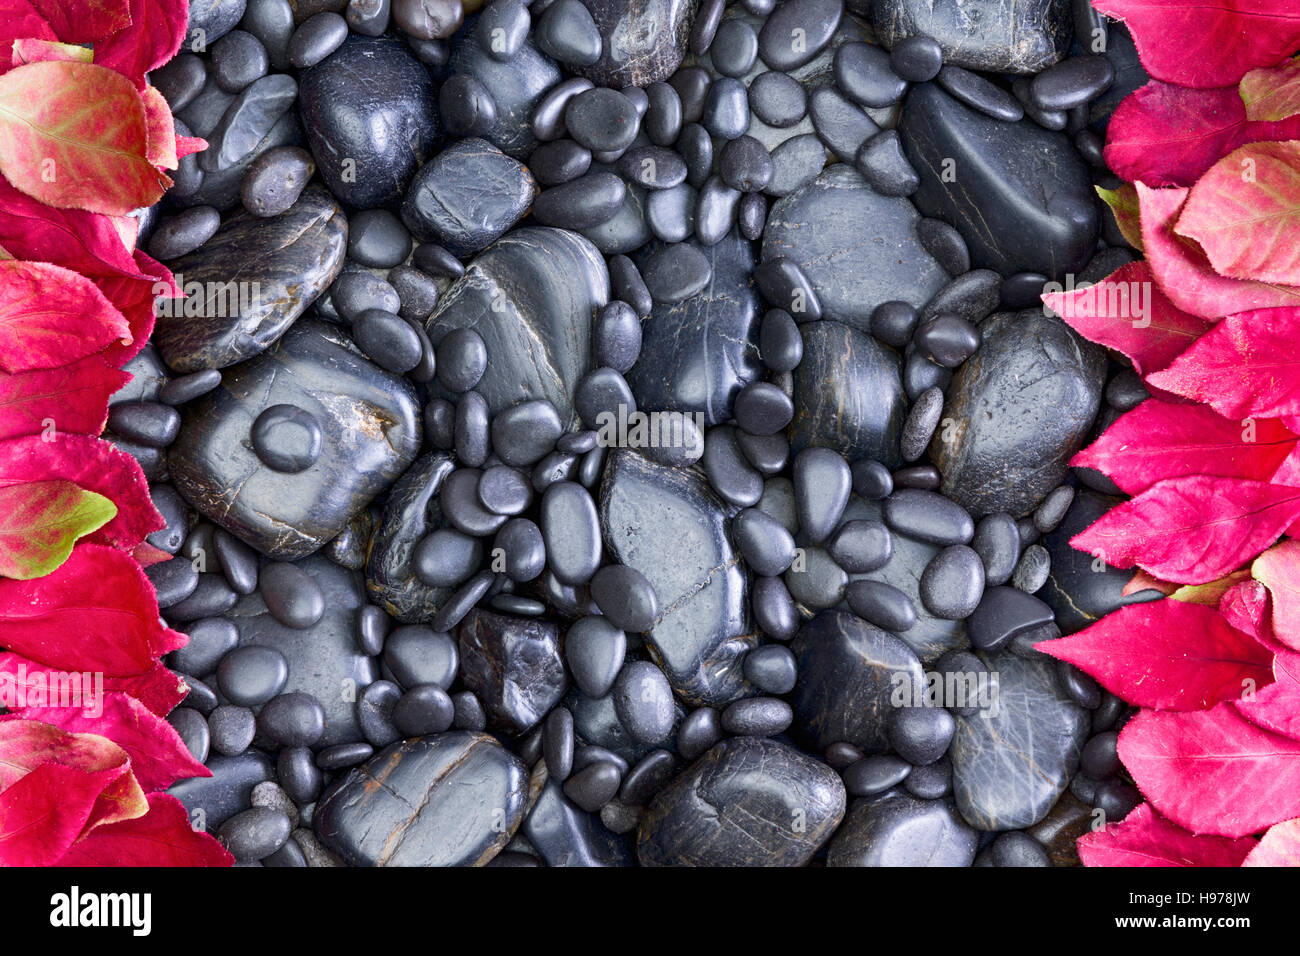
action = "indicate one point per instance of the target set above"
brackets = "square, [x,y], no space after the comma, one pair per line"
[625,597]
[287,438]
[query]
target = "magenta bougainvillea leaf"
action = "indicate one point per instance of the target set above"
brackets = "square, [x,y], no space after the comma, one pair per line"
[50,316]
[1128,313]
[1192,530]
[1185,274]
[74,397]
[1245,213]
[1159,440]
[1170,655]
[1213,771]
[1165,135]
[164,836]
[1144,838]
[1245,366]
[97,612]
[1207,43]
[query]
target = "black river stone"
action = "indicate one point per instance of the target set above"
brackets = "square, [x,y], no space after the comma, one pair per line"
[532,296]
[1011,761]
[857,247]
[1000,36]
[371,426]
[468,196]
[371,114]
[412,511]
[322,658]
[929,636]
[669,525]
[513,665]
[848,394]
[1079,593]
[643,40]
[1019,194]
[849,672]
[211,801]
[450,799]
[516,86]
[697,354]
[1020,408]
[564,835]
[897,829]
[747,802]
[257,277]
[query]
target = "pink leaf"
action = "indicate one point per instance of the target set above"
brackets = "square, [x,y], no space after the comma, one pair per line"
[73,397]
[1194,529]
[1245,366]
[96,612]
[158,755]
[1213,771]
[84,242]
[1271,93]
[95,465]
[1144,838]
[1169,655]
[162,837]
[1211,43]
[1185,274]
[1245,213]
[1128,313]
[155,35]
[1165,135]
[1279,847]
[1159,440]
[50,316]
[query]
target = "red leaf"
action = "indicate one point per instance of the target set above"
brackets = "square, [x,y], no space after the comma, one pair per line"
[155,35]
[86,20]
[1277,706]
[159,690]
[1207,44]
[1165,135]
[1194,529]
[1160,440]
[1245,366]
[96,612]
[1144,838]
[50,316]
[1249,225]
[189,144]
[1271,93]
[21,18]
[40,521]
[95,465]
[1279,847]
[1278,569]
[73,397]
[1169,655]
[162,837]
[1213,771]
[1127,312]
[28,50]
[1185,274]
[82,241]
[1245,607]
[158,755]
[56,787]
[73,134]
[134,298]
[160,129]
